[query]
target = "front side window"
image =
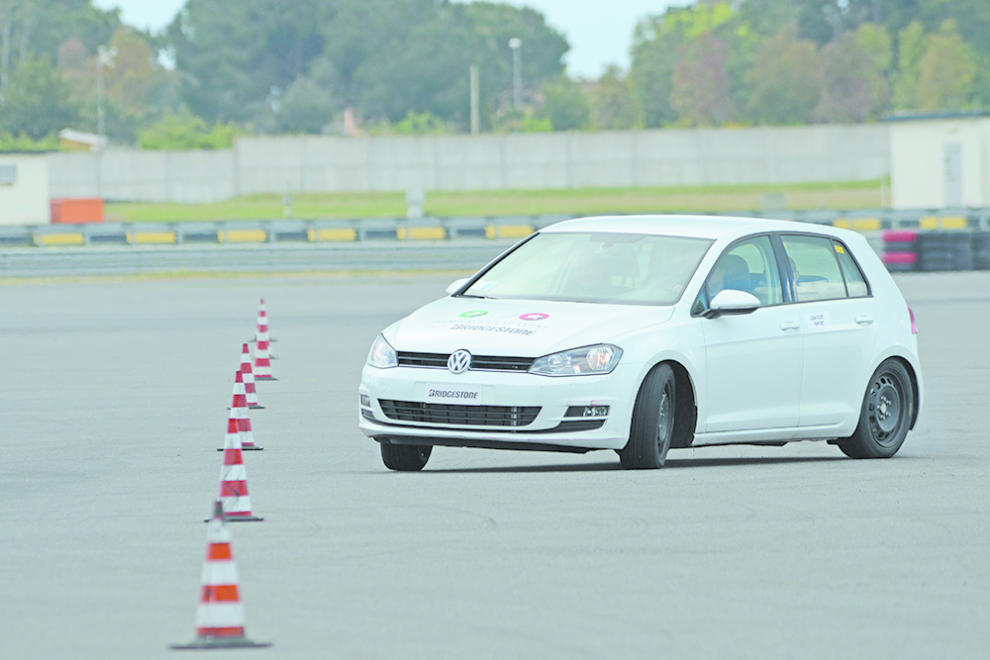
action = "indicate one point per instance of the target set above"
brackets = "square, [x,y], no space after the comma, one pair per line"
[815,267]
[748,266]
[629,269]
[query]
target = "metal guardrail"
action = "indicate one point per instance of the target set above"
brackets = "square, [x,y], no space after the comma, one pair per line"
[284,231]
[327,245]
[367,256]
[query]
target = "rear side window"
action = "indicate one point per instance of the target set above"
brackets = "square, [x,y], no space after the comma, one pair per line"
[855,282]
[815,266]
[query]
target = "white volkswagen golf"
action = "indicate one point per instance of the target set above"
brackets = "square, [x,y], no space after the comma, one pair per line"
[646,333]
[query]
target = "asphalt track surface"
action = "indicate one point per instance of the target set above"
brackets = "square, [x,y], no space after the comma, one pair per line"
[112,404]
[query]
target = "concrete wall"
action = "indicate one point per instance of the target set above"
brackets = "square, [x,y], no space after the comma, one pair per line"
[920,171]
[25,201]
[153,176]
[463,162]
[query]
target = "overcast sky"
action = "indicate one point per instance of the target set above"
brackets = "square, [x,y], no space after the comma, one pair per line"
[599,32]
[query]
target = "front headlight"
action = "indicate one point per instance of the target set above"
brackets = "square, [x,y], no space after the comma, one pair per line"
[585,361]
[382,355]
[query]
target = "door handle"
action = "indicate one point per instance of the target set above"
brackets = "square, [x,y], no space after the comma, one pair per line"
[789,325]
[864,319]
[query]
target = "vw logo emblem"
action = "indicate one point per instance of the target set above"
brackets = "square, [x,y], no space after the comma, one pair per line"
[459,361]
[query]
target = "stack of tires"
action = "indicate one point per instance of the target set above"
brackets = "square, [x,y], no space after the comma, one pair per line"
[900,253]
[946,250]
[981,250]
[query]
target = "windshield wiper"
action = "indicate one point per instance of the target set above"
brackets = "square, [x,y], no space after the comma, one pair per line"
[473,295]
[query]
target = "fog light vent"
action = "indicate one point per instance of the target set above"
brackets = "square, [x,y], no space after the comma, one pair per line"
[365,400]
[587,411]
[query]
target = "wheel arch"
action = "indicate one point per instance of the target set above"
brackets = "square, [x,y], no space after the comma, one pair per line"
[915,389]
[686,419]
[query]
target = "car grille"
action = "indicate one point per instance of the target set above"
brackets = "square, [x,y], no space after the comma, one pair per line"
[478,362]
[443,413]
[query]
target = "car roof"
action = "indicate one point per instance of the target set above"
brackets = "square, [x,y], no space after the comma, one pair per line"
[697,226]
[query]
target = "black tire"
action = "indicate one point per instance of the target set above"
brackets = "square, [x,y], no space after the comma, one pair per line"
[885,416]
[652,429]
[405,458]
[899,246]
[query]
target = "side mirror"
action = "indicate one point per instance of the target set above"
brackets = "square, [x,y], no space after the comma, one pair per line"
[732,301]
[455,285]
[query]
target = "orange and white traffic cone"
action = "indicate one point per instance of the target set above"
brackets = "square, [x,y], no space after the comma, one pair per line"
[233,475]
[240,416]
[248,375]
[220,615]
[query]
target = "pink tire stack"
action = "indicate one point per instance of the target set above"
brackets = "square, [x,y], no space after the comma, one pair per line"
[899,250]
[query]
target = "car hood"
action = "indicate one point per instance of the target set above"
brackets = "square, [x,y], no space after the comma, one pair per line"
[524,328]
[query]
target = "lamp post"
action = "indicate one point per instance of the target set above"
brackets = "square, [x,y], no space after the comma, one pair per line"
[104,58]
[515,43]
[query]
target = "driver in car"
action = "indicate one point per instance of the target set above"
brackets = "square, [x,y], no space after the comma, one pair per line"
[731,272]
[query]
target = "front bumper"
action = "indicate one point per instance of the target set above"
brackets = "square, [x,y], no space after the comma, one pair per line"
[554,396]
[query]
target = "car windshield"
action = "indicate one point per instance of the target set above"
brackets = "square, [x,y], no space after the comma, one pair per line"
[627,269]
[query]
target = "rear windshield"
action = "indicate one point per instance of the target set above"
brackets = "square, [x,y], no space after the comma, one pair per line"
[628,269]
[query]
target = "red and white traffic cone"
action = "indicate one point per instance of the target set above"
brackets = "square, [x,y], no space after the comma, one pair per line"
[220,615]
[240,416]
[261,326]
[262,363]
[248,375]
[233,475]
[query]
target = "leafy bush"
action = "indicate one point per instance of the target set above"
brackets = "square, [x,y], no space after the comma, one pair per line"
[186,132]
[25,144]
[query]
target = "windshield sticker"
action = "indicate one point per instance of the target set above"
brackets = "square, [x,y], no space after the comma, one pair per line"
[484,286]
[473,314]
[534,316]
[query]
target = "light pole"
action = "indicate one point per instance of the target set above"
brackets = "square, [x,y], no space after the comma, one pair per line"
[515,43]
[104,58]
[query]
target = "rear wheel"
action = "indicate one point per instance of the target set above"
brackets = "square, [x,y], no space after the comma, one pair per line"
[652,422]
[405,458]
[886,414]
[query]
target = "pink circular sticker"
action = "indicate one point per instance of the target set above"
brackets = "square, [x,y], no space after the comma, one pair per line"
[534,316]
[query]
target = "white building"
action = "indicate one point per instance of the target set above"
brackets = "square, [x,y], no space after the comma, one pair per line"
[940,161]
[23,189]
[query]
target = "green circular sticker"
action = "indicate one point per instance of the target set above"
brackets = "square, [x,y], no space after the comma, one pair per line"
[473,314]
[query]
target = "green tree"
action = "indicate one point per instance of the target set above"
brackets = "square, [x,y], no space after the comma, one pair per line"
[232,55]
[659,46]
[701,87]
[613,105]
[911,48]
[40,27]
[132,80]
[785,81]
[430,71]
[853,89]
[37,101]
[947,72]
[654,54]
[565,104]
[306,108]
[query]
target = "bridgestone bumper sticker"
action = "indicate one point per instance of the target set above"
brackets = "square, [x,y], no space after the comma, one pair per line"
[456,394]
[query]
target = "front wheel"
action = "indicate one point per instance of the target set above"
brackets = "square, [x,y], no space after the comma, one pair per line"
[405,458]
[886,414]
[652,422]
